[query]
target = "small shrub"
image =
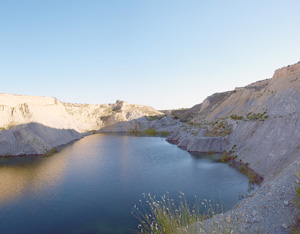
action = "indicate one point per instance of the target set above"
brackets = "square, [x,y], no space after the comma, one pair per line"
[151,118]
[297,198]
[154,117]
[243,169]
[252,176]
[153,132]
[150,132]
[225,157]
[236,117]
[254,116]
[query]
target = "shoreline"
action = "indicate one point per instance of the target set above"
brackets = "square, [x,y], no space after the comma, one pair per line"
[255,208]
[265,211]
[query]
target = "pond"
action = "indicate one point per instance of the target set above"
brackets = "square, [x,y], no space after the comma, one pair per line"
[91,185]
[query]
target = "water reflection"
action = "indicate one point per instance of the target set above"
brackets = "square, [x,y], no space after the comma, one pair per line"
[91,185]
[22,174]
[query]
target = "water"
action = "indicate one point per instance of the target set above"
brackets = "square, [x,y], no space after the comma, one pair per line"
[92,185]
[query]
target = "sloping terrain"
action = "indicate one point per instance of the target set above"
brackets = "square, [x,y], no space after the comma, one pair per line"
[259,126]
[34,125]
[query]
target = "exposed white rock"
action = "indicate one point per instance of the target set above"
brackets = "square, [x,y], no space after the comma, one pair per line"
[269,142]
[34,125]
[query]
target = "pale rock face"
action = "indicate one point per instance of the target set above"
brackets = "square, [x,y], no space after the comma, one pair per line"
[205,104]
[271,145]
[257,142]
[277,96]
[34,125]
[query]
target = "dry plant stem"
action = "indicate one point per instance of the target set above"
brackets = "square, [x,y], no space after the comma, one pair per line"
[164,216]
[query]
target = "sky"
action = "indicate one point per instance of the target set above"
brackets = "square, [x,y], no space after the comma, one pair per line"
[163,53]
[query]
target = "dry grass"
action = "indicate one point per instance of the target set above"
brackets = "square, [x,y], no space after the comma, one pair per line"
[165,216]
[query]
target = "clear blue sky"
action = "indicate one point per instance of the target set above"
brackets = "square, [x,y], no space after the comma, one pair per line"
[166,54]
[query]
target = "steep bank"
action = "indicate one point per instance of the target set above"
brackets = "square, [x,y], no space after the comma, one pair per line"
[35,125]
[260,125]
[257,123]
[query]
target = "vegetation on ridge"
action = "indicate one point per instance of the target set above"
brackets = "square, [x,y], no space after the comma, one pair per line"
[250,116]
[148,132]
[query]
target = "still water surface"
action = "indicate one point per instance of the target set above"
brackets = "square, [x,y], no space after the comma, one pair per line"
[92,185]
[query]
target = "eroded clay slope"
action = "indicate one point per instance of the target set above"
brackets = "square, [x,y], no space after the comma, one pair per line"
[34,125]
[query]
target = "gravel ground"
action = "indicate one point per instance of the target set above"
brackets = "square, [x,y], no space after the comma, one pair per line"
[270,210]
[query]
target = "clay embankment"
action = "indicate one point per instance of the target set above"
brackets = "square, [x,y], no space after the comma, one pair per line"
[34,125]
[260,124]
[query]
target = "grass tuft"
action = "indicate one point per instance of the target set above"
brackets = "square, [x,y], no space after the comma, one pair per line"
[296,229]
[153,132]
[164,216]
[150,132]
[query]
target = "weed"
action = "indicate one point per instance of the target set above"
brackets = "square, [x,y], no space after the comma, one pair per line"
[155,117]
[297,198]
[252,176]
[225,157]
[218,129]
[236,117]
[151,132]
[296,229]
[164,216]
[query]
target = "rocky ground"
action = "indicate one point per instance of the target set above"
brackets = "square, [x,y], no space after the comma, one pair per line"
[257,125]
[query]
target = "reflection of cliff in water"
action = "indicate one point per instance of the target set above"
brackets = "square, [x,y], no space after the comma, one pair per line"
[21,174]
